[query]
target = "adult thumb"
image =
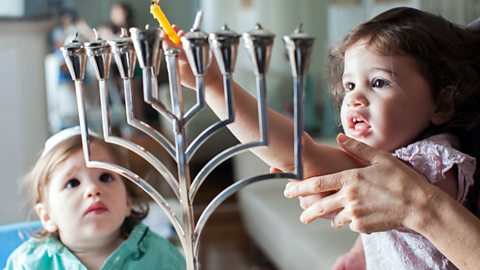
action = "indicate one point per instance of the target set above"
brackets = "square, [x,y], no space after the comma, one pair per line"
[358,149]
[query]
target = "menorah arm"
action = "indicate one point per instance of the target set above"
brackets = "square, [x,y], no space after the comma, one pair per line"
[145,186]
[142,126]
[149,84]
[146,155]
[200,104]
[225,194]
[216,161]
[245,128]
[209,131]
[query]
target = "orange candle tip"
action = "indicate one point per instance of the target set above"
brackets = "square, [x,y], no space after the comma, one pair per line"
[164,23]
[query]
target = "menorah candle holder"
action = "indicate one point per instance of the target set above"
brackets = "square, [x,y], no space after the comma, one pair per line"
[145,45]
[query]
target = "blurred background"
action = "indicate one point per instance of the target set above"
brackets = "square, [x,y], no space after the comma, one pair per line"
[36,93]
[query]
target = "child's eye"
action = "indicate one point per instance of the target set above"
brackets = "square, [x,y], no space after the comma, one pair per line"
[72,183]
[380,83]
[106,177]
[349,86]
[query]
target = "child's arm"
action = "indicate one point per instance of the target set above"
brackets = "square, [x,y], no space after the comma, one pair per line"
[352,260]
[318,159]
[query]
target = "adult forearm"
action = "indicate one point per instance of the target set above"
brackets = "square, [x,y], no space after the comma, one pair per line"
[451,228]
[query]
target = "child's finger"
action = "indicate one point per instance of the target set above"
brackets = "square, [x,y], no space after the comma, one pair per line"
[274,170]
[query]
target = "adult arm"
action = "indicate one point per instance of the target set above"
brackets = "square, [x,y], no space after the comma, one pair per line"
[403,198]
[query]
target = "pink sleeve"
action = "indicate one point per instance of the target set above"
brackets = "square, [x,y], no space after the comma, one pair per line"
[434,159]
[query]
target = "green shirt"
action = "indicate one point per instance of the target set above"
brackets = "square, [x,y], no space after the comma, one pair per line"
[142,250]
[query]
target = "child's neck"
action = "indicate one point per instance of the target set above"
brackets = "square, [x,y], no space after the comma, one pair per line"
[93,256]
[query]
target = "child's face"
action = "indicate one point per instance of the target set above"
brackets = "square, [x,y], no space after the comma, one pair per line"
[387,101]
[85,204]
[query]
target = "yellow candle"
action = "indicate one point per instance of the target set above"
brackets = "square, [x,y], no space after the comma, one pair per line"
[164,23]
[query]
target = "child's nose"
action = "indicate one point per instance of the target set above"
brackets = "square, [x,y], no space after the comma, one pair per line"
[92,190]
[357,99]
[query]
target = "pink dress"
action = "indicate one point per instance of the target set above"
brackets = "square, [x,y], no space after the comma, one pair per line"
[403,248]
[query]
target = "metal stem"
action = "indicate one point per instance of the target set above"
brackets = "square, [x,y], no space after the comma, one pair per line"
[262,107]
[148,87]
[200,99]
[298,124]
[208,132]
[180,148]
[82,118]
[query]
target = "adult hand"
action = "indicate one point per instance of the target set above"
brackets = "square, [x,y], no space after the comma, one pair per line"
[307,200]
[384,195]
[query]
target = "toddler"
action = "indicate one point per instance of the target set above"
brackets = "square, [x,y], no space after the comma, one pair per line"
[88,216]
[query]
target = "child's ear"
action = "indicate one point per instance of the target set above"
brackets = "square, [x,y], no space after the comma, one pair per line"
[444,109]
[48,223]
[129,206]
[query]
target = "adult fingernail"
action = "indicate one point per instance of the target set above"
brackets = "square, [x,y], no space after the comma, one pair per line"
[342,138]
[304,219]
[332,224]
[287,193]
[288,190]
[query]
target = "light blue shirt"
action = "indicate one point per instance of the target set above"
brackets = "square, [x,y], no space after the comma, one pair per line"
[142,250]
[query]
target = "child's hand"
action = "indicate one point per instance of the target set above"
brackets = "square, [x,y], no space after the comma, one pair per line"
[350,261]
[186,75]
[213,77]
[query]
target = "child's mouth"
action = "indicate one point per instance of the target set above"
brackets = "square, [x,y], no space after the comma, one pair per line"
[96,208]
[358,126]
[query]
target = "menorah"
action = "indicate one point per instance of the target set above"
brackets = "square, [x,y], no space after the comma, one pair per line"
[146,45]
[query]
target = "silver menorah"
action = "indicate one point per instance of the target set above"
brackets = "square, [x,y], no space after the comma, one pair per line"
[146,45]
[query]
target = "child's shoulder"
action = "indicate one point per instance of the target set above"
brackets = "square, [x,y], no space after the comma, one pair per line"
[436,155]
[34,253]
[31,248]
[439,152]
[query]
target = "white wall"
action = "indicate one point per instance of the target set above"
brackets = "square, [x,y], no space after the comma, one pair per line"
[11,8]
[22,108]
